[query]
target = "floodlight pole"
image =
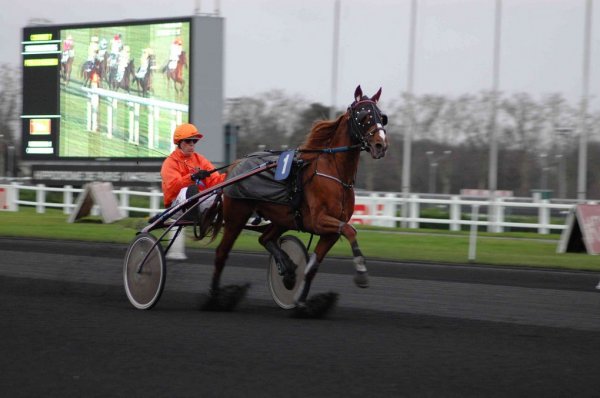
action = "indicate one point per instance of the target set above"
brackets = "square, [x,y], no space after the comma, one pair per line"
[408,132]
[560,157]
[493,167]
[334,60]
[582,164]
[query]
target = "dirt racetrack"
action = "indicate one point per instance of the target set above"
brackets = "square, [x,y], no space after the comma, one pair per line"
[420,330]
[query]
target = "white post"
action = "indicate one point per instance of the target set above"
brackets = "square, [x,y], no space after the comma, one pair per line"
[414,209]
[454,213]
[109,121]
[543,217]
[89,115]
[40,198]
[124,200]
[67,199]
[12,196]
[473,235]
[136,123]
[372,201]
[154,202]
[177,250]
[113,121]
[499,213]
[389,210]
[150,127]
[95,104]
[131,122]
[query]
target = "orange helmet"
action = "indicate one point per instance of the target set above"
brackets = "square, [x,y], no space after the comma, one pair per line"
[185,131]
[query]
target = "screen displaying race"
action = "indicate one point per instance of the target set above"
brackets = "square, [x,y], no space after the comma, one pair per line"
[105,90]
[123,89]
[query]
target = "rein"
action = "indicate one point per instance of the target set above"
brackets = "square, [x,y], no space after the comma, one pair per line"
[334,150]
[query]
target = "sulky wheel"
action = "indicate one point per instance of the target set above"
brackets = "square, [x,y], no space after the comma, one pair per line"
[296,250]
[144,271]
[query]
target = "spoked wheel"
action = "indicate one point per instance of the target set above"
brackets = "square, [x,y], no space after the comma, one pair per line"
[296,250]
[144,271]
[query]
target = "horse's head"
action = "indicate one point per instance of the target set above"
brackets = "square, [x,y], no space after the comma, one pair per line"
[367,123]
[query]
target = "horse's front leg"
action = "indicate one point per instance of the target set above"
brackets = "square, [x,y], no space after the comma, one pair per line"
[329,224]
[361,277]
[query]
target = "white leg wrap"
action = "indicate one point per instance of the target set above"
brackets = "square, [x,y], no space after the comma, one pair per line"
[359,264]
[312,261]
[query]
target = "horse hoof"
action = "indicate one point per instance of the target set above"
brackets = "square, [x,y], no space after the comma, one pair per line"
[226,298]
[316,307]
[361,279]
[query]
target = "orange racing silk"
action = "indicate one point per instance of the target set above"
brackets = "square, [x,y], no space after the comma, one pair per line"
[176,172]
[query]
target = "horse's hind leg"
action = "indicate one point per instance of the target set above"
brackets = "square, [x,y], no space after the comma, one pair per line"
[231,230]
[227,297]
[285,265]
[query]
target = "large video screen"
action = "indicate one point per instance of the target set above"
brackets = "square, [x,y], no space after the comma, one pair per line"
[105,91]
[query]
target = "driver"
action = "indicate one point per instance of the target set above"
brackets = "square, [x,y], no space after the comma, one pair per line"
[175,52]
[68,49]
[186,172]
[93,49]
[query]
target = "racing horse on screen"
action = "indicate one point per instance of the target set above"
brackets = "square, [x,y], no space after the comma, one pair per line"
[144,82]
[66,66]
[175,75]
[328,162]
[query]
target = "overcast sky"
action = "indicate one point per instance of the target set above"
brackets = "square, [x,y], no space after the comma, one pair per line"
[287,44]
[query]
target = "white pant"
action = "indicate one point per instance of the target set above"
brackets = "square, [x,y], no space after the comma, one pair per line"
[205,202]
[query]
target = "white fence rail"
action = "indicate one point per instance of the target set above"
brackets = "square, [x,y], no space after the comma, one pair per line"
[133,103]
[372,208]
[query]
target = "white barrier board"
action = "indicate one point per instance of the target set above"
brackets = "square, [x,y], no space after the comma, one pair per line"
[101,194]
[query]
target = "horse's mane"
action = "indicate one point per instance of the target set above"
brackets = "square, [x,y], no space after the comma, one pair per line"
[321,133]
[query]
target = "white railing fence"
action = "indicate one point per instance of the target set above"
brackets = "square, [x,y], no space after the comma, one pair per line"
[371,208]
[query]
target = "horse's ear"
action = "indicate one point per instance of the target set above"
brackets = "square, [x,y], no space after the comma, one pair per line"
[375,98]
[358,93]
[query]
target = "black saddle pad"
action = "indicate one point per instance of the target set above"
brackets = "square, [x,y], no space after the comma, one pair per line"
[261,186]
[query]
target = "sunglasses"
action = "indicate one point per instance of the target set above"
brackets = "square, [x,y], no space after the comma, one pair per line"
[190,141]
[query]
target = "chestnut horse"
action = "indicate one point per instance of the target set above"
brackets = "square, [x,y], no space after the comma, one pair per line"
[66,66]
[330,156]
[91,72]
[144,84]
[176,74]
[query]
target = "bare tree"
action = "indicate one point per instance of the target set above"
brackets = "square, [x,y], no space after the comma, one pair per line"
[9,115]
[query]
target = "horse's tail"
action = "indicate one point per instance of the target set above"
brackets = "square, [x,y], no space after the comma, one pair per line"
[212,221]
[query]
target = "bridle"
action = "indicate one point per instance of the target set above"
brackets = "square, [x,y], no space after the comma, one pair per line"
[364,121]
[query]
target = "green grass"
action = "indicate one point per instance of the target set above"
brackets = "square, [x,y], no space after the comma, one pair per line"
[510,249]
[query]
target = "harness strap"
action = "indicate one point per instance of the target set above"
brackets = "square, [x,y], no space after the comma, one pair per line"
[345,185]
